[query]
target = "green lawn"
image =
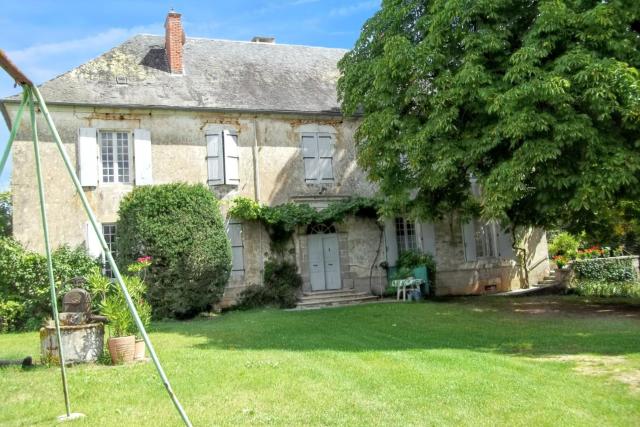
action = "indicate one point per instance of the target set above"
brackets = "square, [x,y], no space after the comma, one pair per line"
[472,361]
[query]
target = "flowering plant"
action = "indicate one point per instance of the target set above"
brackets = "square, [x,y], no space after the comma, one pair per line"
[560,260]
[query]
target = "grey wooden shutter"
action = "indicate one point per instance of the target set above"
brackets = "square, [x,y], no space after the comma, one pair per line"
[87,156]
[505,243]
[428,237]
[215,159]
[469,240]
[310,156]
[231,158]
[142,157]
[234,232]
[325,157]
[92,242]
[391,242]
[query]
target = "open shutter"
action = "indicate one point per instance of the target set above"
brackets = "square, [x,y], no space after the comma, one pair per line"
[505,243]
[469,239]
[94,249]
[428,238]
[310,156]
[390,241]
[142,156]
[325,157]
[215,159]
[87,156]
[231,158]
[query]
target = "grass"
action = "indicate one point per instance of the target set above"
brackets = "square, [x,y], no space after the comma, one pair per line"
[472,361]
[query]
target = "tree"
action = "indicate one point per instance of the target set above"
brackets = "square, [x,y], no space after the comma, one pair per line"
[539,100]
[181,227]
[5,214]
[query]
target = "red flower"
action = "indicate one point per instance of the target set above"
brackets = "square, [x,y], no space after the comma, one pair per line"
[144,259]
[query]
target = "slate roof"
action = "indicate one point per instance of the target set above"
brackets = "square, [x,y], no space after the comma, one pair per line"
[218,75]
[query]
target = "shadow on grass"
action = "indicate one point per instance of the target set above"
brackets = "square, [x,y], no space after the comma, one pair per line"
[519,326]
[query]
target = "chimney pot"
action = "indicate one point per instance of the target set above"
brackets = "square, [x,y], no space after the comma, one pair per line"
[173,41]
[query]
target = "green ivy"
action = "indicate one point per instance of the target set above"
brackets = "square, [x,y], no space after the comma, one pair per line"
[611,270]
[282,220]
[597,288]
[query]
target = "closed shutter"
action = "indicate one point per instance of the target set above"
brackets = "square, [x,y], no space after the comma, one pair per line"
[87,157]
[215,159]
[234,232]
[92,242]
[310,156]
[390,241]
[428,238]
[469,240]
[325,157]
[505,243]
[231,158]
[142,157]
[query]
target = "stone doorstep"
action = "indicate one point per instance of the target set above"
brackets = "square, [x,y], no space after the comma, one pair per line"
[337,302]
[332,292]
[330,298]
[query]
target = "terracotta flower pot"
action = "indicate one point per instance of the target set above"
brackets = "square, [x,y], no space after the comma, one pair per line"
[122,349]
[140,350]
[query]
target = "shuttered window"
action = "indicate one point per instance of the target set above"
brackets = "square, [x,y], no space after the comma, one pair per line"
[223,158]
[234,232]
[317,153]
[405,235]
[115,157]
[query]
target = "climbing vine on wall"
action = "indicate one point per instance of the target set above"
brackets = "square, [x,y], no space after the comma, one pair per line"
[281,221]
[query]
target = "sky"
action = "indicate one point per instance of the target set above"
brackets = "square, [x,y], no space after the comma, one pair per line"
[48,38]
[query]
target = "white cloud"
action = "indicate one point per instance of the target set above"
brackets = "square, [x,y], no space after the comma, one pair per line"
[355,8]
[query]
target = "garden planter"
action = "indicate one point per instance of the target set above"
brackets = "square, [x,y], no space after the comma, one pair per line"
[122,349]
[140,350]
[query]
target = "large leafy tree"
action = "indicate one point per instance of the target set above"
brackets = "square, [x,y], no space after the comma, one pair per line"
[538,99]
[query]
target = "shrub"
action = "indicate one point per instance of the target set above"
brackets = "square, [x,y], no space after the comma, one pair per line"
[5,214]
[181,227]
[115,307]
[597,288]
[605,269]
[408,260]
[24,281]
[564,244]
[281,285]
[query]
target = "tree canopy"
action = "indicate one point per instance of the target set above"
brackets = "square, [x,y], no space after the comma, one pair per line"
[5,214]
[538,99]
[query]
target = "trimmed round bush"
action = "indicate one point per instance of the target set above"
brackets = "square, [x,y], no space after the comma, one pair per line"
[181,227]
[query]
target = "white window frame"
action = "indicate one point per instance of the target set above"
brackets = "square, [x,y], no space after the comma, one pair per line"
[110,239]
[114,164]
[486,239]
[404,241]
[318,179]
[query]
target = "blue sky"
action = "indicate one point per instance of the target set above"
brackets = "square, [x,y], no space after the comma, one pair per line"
[47,38]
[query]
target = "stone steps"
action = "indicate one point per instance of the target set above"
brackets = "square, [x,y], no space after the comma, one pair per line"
[334,298]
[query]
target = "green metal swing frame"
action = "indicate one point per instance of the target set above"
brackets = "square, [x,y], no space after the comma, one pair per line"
[31,97]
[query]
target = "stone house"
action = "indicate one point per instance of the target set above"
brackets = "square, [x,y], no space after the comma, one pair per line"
[257,119]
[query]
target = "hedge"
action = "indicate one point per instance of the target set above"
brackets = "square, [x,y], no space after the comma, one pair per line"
[605,269]
[181,227]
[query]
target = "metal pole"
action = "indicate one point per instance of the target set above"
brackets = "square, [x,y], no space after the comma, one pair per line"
[105,249]
[52,284]
[14,130]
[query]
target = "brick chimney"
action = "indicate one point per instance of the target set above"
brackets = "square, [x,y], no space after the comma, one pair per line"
[173,40]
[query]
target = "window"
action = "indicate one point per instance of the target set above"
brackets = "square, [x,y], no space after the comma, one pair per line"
[115,157]
[405,235]
[223,157]
[486,237]
[317,153]
[234,232]
[109,232]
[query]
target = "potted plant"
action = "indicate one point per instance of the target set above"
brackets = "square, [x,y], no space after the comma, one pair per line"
[122,341]
[137,290]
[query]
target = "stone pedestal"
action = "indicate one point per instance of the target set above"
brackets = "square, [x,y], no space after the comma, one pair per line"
[82,343]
